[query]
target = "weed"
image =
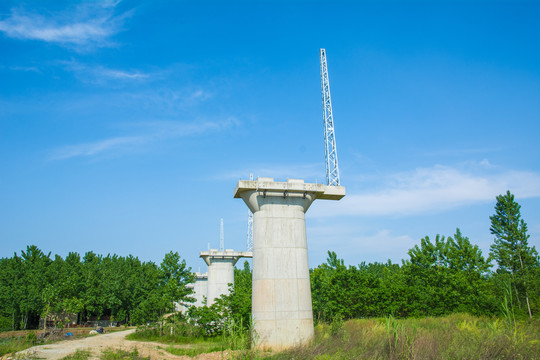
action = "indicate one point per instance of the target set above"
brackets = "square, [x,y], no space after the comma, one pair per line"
[458,336]
[14,344]
[235,336]
[78,355]
[336,328]
[110,354]
[194,350]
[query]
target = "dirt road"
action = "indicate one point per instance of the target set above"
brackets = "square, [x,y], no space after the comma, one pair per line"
[96,344]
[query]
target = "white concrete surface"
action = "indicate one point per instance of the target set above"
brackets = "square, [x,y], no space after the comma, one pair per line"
[282,309]
[220,271]
[200,287]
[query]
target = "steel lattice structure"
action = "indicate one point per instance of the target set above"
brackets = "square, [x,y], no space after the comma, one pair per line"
[221,237]
[330,151]
[249,242]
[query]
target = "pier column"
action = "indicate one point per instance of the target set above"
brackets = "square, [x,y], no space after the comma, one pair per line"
[220,271]
[282,309]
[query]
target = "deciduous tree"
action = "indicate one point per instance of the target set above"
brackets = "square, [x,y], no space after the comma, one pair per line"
[511,249]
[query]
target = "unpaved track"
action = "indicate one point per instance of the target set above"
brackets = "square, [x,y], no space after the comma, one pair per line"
[96,344]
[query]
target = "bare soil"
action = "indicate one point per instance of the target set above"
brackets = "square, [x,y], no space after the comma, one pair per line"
[117,340]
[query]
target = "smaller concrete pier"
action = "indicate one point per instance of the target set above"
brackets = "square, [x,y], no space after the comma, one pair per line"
[200,287]
[221,271]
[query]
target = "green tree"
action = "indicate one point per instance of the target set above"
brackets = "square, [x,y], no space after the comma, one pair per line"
[240,296]
[11,290]
[34,275]
[511,249]
[446,276]
[175,275]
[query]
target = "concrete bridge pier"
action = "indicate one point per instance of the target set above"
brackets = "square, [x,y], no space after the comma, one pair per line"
[220,271]
[282,309]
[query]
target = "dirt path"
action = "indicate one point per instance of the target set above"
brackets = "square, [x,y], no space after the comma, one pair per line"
[96,344]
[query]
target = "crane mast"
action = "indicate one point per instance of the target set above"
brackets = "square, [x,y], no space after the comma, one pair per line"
[330,151]
[249,241]
[221,236]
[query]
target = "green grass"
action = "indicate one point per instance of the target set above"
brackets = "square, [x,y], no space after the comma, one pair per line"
[196,349]
[458,336]
[10,345]
[109,354]
[153,334]
[188,341]
[78,355]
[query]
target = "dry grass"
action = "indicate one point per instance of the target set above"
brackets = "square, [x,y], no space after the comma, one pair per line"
[458,336]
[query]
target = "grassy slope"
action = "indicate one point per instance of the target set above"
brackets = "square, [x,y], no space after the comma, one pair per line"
[458,336]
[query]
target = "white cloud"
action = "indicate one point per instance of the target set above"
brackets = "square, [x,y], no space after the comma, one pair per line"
[90,24]
[167,98]
[101,75]
[120,74]
[25,68]
[153,131]
[97,147]
[434,189]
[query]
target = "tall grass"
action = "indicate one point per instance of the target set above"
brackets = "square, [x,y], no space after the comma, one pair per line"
[458,336]
[182,333]
[233,337]
[9,345]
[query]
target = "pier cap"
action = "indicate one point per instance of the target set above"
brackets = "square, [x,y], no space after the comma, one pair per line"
[228,254]
[320,191]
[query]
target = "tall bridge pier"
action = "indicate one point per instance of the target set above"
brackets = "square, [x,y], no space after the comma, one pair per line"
[282,309]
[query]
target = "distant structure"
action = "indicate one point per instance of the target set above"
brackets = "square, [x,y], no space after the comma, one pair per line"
[200,288]
[211,285]
[249,242]
[220,271]
[221,236]
[330,151]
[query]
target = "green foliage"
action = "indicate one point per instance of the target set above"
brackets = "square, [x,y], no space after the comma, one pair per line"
[183,332]
[10,345]
[236,336]
[512,252]
[124,289]
[337,325]
[448,276]
[31,337]
[175,275]
[239,300]
[211,319]
[441,277]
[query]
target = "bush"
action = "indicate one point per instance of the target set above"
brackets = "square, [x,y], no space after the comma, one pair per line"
[5,323]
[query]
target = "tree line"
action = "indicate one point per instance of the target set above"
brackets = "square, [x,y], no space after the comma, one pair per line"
[122,289]
[441,276]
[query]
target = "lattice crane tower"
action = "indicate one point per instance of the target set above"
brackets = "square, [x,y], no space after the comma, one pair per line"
[221,236]
[249,242]
[330,151]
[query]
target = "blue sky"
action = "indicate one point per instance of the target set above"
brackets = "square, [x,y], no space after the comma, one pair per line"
[125,125]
